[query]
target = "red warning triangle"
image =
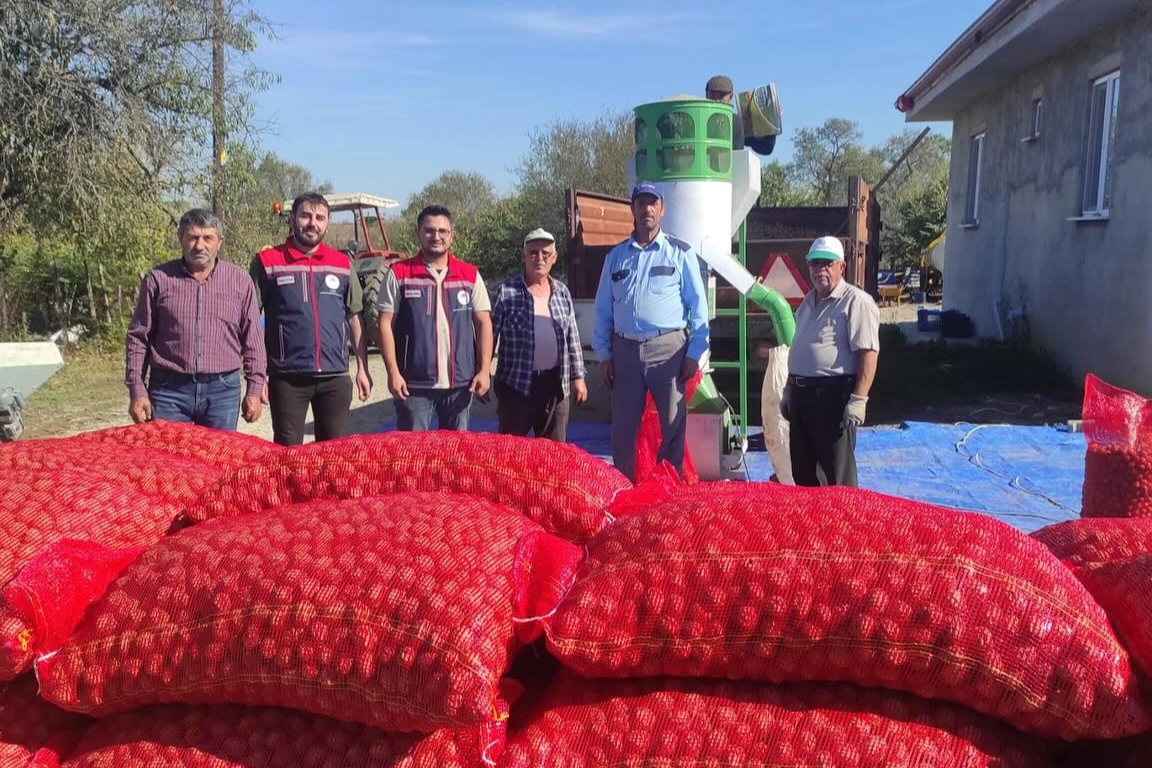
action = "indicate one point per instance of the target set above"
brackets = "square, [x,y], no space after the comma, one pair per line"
[781,275]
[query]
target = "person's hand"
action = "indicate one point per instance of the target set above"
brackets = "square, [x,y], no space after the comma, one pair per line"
[688,369]
[252,407]
[854,411]
[786,403]
[363,383]
[481,382]
[264,394]
[579,391]
[608,373]
[140,409]
[397,386]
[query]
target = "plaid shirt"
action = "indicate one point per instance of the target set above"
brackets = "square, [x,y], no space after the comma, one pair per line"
[515,335]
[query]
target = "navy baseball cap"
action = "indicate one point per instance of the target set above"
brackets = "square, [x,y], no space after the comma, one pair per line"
[647,188]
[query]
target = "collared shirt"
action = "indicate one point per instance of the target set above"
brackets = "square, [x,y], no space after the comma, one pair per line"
[388,299]
[182,325]
[515,334]
[651,289]
[830,332]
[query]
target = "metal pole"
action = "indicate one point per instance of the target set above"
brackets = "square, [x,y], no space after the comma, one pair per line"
[218,129]
[743,320]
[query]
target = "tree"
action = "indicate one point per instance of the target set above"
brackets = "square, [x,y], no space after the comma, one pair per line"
[109,96]
[589,154]
[919,219]
[915,199]
[780,188]
[253,181]
[498,239]
[468,195]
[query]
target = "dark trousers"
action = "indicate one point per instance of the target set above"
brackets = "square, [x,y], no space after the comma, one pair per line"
[289,397]
[651,366]
[822,449]
[544,411]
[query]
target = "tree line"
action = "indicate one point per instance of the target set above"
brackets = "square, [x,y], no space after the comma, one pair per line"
[108,116]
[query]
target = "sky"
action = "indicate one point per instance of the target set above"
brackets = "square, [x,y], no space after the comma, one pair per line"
[383,96]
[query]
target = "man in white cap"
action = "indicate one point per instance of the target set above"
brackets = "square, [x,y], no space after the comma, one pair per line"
[831,366]
[539,358]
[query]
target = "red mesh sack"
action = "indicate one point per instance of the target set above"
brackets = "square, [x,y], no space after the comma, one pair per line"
[694,723]
[1097,540]
[560,486]
[1118,464]
[782,584]
[1124,590]
[649,436]
[223,449]
[41,507]
[169,478]
[227,736]
[396,612]
[32,731]
[44,603]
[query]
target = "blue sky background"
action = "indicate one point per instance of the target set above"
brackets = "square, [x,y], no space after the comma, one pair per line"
[383,96]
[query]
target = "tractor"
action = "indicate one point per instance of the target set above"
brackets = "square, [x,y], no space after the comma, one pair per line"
[368,260]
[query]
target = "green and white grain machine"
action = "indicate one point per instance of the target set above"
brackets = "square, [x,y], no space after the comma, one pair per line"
[684,146]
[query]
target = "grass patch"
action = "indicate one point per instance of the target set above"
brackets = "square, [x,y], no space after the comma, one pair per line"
[87,393]
[911,375]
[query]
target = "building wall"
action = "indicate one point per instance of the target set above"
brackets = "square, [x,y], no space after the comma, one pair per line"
[1083,285]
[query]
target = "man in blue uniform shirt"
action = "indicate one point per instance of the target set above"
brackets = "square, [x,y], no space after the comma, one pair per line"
[651,330]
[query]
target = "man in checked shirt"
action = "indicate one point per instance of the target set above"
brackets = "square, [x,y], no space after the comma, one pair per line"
[196,324]
[540,362]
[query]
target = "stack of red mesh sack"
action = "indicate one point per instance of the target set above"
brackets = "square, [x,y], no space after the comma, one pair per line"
[405,600]
[1118,464]
[854,629]
[76,511]
[352,602]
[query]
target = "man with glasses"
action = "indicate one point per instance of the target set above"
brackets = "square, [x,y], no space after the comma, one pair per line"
[831,366]
[435,330]
[540,362]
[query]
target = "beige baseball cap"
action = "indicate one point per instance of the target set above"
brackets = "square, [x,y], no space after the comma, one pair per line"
[539,234]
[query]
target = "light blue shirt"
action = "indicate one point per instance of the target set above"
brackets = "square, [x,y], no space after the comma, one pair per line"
[649,290]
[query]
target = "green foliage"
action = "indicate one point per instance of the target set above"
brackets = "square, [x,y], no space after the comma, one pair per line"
[497,245]
[253,181]
[780,188]
[590,155]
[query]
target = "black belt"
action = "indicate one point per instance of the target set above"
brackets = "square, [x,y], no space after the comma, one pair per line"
[821,381]
[547,372]
[198,378]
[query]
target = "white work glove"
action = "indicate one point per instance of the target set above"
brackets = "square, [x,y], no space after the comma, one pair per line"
[786,404]
[854,411]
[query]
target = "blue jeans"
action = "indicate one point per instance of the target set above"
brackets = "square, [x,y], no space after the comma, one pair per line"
[208,400]
[450,406]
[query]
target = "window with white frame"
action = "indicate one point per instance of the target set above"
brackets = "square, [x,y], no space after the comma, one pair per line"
[975,169]
[1101,144]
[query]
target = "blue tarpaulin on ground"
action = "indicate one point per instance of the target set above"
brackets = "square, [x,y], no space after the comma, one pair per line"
[1026,476]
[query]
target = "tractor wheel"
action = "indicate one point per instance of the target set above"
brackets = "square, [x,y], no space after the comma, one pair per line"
[370,313]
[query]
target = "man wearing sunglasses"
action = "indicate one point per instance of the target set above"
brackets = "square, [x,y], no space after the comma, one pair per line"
[831,366]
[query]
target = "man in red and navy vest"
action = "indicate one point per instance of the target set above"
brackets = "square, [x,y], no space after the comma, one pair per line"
[435,330]
[312,302]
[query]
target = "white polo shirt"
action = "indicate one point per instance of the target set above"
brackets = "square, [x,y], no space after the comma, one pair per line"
[829,332]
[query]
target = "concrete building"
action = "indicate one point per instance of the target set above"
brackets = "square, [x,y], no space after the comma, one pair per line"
[1050,200]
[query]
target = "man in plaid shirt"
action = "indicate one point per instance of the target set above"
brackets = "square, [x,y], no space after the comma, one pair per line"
[540,362]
